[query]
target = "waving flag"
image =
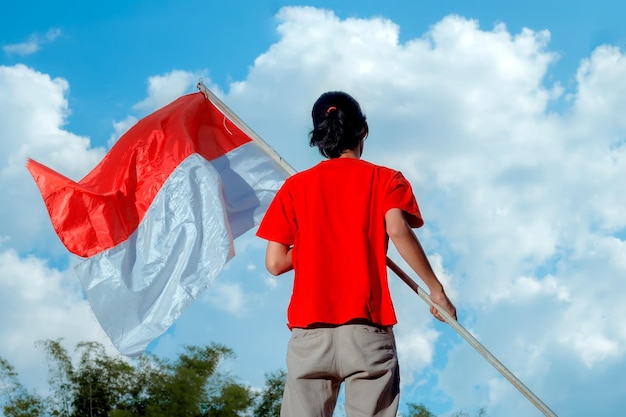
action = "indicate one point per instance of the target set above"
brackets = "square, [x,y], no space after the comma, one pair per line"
[153,223]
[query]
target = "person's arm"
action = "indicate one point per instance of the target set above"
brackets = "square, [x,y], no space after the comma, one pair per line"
[278,258]
[409,247]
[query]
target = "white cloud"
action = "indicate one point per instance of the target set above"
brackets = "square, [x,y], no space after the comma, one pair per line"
[40,303]
[52,34]
[33,112]
[415,352]
[524,288]
[121,127]
[270,281]
[227,297]
[523,204]
[37,301]
[162,89]
[23,48]
[33,44]
[601,91]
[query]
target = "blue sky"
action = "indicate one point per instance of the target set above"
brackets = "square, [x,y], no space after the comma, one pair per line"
[506,118]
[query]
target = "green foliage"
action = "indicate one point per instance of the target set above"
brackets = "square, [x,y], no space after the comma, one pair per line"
[481,413]
[8,380]
[96,384]
[271,398]
[229,399]
[100,385]
[99,382]
[24,406]
[190,386]
[60,374]
[17,402]
[419,410]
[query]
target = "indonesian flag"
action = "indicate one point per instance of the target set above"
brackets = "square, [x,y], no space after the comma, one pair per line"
[153,223]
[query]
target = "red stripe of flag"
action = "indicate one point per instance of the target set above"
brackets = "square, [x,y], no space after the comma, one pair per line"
[106,206]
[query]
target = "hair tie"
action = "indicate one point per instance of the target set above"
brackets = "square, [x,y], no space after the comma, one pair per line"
[331,108]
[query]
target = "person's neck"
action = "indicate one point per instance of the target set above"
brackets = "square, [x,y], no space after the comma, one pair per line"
[350,153]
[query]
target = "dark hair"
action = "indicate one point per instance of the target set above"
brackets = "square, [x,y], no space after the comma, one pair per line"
[338,124]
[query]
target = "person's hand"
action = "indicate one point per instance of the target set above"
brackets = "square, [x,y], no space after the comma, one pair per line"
[441,299]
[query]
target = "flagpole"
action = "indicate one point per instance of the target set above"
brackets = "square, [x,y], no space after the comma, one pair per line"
[392,265]
[469,338]
[246,129]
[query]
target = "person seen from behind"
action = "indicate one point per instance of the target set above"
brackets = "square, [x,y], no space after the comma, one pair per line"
[331,224]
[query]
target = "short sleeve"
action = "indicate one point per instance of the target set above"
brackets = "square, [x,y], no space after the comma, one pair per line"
[400,195]
[279,224]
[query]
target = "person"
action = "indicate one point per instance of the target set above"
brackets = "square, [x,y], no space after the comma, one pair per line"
[331,224]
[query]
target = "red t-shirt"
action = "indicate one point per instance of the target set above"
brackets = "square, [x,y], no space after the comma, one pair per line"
[334,216]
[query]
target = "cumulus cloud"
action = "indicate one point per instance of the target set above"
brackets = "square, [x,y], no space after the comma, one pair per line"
[40,303]
[520,181]
[523,203]
[228,297]
[33,112]
[415,351]
[33,44]
[121,127]
[162,89]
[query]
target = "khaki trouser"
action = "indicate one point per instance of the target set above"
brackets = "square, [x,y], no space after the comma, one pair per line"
[320,359]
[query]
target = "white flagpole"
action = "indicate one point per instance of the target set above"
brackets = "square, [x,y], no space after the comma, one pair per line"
[469,338]
[395,268]
[245,128]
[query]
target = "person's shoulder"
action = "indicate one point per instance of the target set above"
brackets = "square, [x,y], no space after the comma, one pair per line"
[301,176]
[381,169]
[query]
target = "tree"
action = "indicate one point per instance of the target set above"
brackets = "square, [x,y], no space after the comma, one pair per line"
[92,388]
[60,373]
[419,410]
[100,382]
[188,387]
[481,413]
[227,398]
[17,402]
[26,405]
[96,384]
[100,385]
[271,398]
